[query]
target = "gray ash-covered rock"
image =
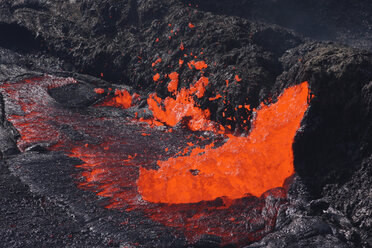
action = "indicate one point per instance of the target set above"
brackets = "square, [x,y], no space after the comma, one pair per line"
[344,21]
[116,42]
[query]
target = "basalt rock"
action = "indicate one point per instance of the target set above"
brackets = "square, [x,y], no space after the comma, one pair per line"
[110,43]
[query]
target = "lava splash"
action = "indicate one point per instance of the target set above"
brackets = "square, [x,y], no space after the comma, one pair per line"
[243,165]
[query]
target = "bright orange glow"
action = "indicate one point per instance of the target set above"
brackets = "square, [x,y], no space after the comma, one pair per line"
[156,62]
[171,111]
[191,25]
[199,87]
[173,84]
[243,165]
[237,78]
[99,90]
[112,167]
[156,77]
[199,65]
[176,109]
[218,96]
[121,99]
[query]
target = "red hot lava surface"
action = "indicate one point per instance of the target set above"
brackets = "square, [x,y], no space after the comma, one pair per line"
[138,172]
[252,164]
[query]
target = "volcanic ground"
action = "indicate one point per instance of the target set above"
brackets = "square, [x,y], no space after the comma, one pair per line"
[186,123]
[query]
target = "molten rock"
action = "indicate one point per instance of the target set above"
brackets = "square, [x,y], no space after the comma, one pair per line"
[103,101]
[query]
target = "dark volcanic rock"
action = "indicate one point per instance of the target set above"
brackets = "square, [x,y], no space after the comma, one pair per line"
[331,144]
[8,134]
[30,220]
[332,148]
[75,95]
[119,43]
[101,43]
[345,21]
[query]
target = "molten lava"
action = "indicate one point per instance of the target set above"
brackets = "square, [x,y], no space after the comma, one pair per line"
[198,65]
[243,165]
[122,99]
[174,111]
[199,87]
[113,151]
[173,84]
[174,177]
[156,77]
[99,90]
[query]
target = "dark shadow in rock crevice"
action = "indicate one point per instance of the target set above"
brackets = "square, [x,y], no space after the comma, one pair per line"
[19,39]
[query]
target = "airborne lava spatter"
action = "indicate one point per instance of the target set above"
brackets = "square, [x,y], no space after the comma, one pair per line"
[172,111]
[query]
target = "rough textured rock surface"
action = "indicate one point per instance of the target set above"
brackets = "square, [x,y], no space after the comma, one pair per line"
[345,21]
[267,43]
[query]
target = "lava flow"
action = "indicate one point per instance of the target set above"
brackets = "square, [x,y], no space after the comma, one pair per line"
[122,99]
[243,165]
[229,191]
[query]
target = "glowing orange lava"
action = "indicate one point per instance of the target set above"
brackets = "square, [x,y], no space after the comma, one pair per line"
[99,90]
[198,65]
[218,96]
[156,77]
[237,78]
[243,165]
[156,62]
[199,87]
[122,99]
[114,150]
[171,111]
[173,84]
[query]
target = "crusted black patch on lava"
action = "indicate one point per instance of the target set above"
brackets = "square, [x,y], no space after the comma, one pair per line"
[75,95]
